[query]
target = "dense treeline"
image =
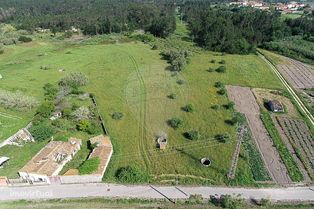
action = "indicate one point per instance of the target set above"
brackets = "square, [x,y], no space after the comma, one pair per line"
[240,29]
[92,16]
[233,30]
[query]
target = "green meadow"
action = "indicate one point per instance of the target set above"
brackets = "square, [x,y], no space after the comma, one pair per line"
[131,78]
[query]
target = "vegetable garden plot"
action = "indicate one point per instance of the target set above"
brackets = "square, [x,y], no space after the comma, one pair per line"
[300,137]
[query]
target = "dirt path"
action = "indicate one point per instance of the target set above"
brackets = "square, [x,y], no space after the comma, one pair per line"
[245,103]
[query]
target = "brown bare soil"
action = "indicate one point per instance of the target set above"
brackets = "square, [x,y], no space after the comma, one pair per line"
[245,103]
[298,74]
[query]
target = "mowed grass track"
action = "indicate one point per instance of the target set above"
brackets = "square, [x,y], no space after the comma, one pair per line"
[132,79]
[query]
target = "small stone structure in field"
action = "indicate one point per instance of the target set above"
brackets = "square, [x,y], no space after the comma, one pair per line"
[206,162]
[275,106]
[162,140]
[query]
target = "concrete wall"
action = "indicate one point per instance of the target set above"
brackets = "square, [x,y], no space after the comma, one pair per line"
[76,179]
[32,177]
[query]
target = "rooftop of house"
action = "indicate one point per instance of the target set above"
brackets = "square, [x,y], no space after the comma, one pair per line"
[22,134]
[50,158]
[103,151]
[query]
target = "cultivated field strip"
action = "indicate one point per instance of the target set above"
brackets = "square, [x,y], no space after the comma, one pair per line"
[245,103]
[299,135]
[298,74]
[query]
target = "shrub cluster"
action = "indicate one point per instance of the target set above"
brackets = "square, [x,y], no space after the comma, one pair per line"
[130,174]
[17,100]
[178,59]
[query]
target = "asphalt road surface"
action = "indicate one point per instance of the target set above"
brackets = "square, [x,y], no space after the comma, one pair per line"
[150,192]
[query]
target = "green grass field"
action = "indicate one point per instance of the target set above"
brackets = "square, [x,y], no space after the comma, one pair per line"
[133,79]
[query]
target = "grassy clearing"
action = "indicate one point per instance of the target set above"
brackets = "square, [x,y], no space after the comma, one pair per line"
[130,78]
[284,153]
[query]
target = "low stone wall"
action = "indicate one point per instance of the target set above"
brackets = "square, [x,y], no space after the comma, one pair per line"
[77,179]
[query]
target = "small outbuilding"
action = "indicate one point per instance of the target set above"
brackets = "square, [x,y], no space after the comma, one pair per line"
[275,106]
[56,115]
[162,142]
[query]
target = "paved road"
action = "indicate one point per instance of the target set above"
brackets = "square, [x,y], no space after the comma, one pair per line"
[150,192]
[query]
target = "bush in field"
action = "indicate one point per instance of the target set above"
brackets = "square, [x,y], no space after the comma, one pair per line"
[82,113]
[8,41]
[237,118]
[117,115]
[222,62]
[221,69]
[41,131]
[45,109]
[89,166]
[192,135]
[188,108]
[130,174]
[222,91]
[175,123]
[227,201]
[50,91]
[83,125]
[172,96]
[212,61]
[222,138]
[93,128]
[195,199]
[17,100]
[74,80]
[177,58]
[229,105]
[24,39]
[219,84]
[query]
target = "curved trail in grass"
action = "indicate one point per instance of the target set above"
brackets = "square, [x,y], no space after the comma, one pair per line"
[142,118]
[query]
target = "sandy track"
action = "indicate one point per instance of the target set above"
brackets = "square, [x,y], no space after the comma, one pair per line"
[298,74]
[245,103]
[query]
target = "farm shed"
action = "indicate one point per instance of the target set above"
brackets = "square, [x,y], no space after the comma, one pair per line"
[103,151]
[275,106]
[3,160]
[50,160]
